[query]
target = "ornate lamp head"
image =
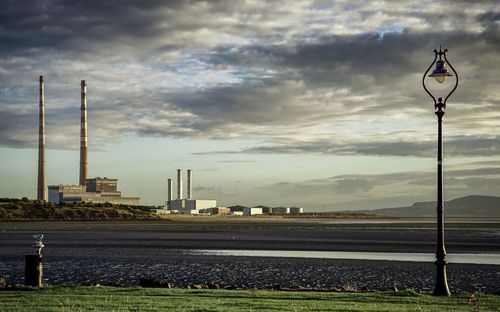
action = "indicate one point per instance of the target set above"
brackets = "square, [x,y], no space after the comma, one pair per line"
[440,73]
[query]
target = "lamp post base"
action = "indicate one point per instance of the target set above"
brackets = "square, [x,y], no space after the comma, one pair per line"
[441,288]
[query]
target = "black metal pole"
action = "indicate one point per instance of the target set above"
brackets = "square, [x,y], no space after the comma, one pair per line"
[441,288]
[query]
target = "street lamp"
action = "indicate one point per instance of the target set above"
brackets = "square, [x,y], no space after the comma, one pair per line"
[440,73]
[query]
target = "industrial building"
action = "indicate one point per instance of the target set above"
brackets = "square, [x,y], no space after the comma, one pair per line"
[247,211]
[103,185]
[188,204]
[217,211]
[65,193]
[96,190]
[192,205]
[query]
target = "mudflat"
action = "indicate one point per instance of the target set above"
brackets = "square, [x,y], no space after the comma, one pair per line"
[384,235]
[122,252]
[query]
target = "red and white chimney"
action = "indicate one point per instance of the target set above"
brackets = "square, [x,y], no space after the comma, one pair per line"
[41,194]
[83,136]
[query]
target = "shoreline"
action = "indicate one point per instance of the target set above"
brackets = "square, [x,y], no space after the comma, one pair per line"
[265,273]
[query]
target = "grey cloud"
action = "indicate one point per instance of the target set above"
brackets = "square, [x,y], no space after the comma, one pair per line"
[386,178]
[485,171]
[216,192]
[338,62]
[351,186]
[485,184]
[336,185]
[84,27]
[368,64]
[413,186]
[345,59]
[490,20]
[77,26]
[276,90]
[473,165]
[207,189]
[19,127]
[454,146]
[245,104]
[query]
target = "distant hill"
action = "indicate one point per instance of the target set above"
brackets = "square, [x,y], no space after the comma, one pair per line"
[469,206]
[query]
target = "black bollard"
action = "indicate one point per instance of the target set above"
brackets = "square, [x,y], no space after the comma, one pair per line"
[33,270]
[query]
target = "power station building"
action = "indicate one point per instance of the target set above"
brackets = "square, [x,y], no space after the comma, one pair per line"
[188,204]
[95,190]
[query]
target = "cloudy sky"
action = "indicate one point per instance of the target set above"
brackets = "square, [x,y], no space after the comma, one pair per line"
[311,103]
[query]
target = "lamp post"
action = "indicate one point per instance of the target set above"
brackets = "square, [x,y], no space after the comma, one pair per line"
[440,73]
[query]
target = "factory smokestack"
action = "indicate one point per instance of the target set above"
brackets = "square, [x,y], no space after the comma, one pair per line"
[189,185]
[40,194]
[83,135]
[179,184]
[170,190]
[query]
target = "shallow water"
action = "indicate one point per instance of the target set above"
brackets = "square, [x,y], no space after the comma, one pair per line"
[391,256]
[421,220]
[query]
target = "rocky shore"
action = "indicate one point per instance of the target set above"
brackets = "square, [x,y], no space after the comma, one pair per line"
[184,270]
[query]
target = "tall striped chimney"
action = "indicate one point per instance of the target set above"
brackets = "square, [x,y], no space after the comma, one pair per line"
[83,135]
[179,184]
[189,185]
[40,194]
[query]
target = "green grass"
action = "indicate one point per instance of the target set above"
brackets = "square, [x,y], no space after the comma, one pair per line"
[87,298]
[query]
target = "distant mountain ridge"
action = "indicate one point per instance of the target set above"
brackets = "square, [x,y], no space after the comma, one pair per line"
[468,206]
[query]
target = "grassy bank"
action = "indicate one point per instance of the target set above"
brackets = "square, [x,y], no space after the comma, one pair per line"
[88,298]
[13,209]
